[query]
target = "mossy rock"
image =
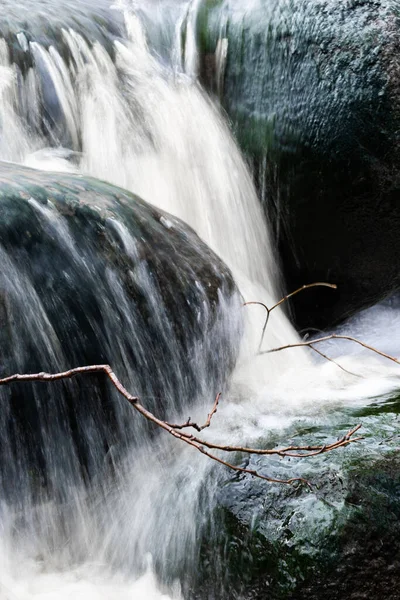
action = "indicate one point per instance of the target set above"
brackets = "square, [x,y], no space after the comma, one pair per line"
[341,538]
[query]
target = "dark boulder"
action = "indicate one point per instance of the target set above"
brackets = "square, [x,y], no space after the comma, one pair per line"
[92,274]
[312,88]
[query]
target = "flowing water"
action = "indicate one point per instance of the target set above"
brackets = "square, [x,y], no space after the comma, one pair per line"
[132,113]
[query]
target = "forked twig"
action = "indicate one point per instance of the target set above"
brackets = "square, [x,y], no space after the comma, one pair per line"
[333,286]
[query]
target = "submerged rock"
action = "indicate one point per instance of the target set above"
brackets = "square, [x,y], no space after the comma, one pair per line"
[340,539]
[312,88]
[92,274]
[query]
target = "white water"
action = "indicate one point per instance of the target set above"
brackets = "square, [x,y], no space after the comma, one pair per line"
[151,129]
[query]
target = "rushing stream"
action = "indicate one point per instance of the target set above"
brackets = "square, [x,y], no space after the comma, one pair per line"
[128,109]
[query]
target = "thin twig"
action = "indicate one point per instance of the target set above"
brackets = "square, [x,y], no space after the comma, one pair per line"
[333,336]
[269,310]
[333,361]
[333,286]
[195,425]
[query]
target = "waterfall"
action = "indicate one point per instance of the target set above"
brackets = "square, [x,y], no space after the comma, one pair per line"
[133,114]
[150,128]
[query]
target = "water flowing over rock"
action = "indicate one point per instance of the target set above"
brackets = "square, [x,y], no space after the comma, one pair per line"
[92,275]
[165,141]
[313,90]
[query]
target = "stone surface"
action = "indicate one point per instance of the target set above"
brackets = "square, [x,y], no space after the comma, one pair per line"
[339,540]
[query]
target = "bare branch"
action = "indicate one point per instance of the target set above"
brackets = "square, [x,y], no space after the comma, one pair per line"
[199,444]
[333,286]
[205,446]
[269,310]
[303,451]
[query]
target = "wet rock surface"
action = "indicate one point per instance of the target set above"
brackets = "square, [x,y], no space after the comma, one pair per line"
[312,88]
[339,539]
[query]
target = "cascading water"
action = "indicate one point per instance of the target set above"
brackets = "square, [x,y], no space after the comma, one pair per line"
[151,129]
[118,112]
[140,126]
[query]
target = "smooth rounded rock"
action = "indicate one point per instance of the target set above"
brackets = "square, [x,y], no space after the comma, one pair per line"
[91,274]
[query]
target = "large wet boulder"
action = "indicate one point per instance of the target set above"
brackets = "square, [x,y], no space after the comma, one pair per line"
[91,274]
[339,539]
[312,88]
